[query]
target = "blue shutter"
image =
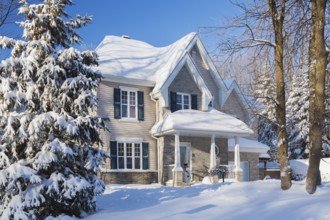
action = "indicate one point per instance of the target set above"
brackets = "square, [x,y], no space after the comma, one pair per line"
[113,155]
[173,101]
[140,106]
[117,103]
[145,155]
[194,104]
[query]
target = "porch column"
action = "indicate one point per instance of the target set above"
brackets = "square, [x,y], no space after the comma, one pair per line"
[177,170]
[213,158]
[238,169]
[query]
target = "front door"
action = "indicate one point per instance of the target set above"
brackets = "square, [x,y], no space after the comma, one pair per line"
[185,161]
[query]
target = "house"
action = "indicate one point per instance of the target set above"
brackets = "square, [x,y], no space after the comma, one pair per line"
[172,117]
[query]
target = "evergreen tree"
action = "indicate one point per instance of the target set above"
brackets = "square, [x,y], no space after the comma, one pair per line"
[49,136]
[297,117]
[264,92]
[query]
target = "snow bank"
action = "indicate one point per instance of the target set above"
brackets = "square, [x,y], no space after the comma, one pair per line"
[231,201]
[299,168]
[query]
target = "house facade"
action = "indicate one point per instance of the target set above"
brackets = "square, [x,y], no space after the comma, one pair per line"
[171,115]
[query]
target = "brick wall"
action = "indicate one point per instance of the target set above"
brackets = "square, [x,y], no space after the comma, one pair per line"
[233,106]
[129,177]
[199,153]
[184,83]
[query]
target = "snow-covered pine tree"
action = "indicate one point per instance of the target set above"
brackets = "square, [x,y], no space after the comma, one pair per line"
[264,93]
[297,116]
[48,123]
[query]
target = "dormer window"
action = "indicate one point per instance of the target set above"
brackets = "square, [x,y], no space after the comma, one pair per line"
[180,100]
[183,101]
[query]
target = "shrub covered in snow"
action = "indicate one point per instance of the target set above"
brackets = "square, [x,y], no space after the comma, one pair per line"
[48,121]
[299,169]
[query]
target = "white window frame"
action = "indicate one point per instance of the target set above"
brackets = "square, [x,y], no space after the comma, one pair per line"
[128,90]
[182,99]
[133,155]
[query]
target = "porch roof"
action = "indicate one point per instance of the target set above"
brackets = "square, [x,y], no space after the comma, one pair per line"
[198,123]
[247,145]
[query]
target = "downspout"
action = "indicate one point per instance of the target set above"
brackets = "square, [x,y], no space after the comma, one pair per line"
[157,139]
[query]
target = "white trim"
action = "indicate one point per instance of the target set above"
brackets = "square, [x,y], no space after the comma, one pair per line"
[132,157]
[134,120]
[182,94]
[207,59]
[177,162]
[126,170]
[127,88]
[186,60]
[129,139]
[199,133]
[127,80]
[213,157]
[248,150]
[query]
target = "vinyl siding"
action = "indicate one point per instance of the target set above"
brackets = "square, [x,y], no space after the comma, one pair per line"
[127,129]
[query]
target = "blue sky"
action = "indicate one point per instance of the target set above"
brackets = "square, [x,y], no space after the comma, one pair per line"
[158,22]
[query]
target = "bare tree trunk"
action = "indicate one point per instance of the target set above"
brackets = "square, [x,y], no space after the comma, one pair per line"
[282,153]
[318,64]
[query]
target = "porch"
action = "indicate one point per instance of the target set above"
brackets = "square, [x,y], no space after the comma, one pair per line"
[191,142]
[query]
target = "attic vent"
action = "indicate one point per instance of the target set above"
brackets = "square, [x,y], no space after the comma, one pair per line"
[126,37]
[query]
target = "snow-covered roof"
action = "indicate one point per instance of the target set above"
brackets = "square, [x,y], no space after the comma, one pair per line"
[232,85]
[247,145]
[201,123]
[135,62]
[264,155]
[136,59]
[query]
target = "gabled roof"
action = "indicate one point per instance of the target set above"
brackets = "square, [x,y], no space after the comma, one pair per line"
[232,86]
[135,59]
[201,123]
[128,60]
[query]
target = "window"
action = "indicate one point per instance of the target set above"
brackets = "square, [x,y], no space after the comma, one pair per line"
[183,101]
[128,103]
[129,156]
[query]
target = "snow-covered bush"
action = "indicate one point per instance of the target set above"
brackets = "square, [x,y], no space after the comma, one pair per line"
[49,136]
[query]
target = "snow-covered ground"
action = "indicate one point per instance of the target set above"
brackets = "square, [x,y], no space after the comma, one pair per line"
[229,200]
